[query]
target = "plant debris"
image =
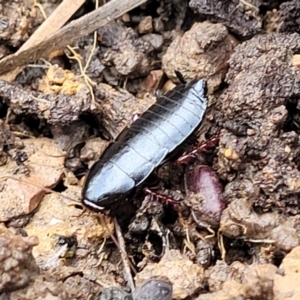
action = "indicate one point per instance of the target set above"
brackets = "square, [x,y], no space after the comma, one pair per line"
[175,236]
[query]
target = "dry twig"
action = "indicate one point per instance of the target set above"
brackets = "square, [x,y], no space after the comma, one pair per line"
[70,33]
[125,260]
[53,23]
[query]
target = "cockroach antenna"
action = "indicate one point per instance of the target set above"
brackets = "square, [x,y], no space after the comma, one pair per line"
[77,201]
[119,242]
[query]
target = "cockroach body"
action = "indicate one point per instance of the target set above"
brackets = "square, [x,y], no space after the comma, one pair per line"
[145,144]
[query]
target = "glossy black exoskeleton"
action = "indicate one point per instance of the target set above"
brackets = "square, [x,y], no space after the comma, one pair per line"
[144,145]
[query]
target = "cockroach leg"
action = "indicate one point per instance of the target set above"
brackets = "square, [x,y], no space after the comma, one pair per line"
[187,156]
[142,147]
[161,196]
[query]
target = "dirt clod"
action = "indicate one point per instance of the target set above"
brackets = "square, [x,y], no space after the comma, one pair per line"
[20,198]
[18,267]
[186,277]
[16,21]
[289,16]
[57,217]
[235,242]
[261,102]
[56,109]
[201,52]
[285,282]
[240,17]
[145,25]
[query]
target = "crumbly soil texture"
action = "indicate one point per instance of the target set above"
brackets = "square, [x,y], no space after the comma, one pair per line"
[225,224]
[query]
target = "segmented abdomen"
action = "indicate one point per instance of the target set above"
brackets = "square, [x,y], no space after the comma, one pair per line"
[157,132]
[142,147]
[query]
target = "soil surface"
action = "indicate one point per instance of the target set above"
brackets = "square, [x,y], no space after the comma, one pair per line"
[225,224]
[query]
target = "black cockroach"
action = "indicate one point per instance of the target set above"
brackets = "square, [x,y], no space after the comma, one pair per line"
[144,145]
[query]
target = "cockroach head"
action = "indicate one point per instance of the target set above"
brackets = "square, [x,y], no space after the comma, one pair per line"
[100,203]
[105,185]
[92,206]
